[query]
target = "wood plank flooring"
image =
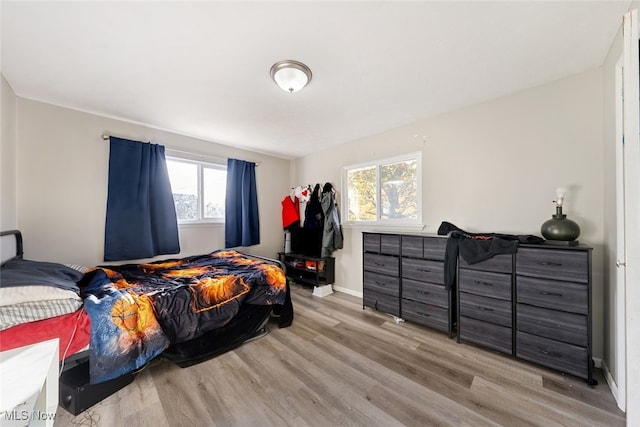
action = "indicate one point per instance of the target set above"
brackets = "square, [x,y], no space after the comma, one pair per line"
[340,365]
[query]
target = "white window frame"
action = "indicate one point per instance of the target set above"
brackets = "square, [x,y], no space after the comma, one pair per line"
[417,156]
[200,176]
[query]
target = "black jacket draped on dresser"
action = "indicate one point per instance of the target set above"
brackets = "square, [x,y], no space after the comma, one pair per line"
[476,247]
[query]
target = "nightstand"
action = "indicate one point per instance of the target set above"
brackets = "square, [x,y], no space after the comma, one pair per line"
[29,389]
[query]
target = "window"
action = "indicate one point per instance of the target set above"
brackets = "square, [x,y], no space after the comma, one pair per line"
[385,190]
[199,190]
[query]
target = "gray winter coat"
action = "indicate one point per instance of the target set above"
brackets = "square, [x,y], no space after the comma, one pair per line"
[332,234]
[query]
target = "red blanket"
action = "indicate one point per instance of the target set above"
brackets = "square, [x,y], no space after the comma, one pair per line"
[73,330]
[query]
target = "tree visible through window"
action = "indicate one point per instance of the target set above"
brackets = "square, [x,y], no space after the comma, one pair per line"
[384,190]
[198,189]
[362,194]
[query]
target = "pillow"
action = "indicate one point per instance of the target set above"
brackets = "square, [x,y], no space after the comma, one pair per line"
[22,272]
[81,268]
[21,294]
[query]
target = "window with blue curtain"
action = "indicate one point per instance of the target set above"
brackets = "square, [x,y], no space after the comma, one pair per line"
[242,223]
[141,218]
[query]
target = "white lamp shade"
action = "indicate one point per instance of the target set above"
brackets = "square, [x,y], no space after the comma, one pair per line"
[291,75]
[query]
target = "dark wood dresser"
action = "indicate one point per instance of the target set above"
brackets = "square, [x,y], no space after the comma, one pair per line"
[403,275]
[553,308]
[381,272]
[485,301]
[534,305]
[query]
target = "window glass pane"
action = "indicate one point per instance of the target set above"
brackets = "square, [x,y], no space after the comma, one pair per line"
[214,190]
[361,194]
[184,185]
[399,186]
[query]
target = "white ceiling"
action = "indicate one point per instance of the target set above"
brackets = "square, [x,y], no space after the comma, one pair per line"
[202,68]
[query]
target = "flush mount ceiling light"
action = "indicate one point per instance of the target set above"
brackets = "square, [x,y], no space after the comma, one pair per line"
[291,75]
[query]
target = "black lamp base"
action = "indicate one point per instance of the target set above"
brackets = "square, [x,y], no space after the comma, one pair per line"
[560,229]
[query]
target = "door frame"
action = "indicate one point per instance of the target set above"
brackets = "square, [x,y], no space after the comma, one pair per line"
[631,117]
[620,391]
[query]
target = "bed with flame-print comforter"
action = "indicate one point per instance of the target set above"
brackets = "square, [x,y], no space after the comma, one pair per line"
[137,310]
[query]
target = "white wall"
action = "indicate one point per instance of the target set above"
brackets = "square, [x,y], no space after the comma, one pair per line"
[8,217]
[494,167]
[62,167]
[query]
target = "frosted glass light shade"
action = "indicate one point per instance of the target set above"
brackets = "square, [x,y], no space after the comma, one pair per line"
[291,75]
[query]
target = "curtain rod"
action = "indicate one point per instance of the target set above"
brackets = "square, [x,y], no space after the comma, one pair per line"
[105,137]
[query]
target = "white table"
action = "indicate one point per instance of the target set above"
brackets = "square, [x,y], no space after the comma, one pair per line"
[29,385]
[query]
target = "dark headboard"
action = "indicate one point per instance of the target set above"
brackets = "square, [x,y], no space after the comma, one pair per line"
[10,247]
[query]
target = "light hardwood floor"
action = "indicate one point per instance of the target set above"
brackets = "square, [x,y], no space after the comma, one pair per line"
[340,365]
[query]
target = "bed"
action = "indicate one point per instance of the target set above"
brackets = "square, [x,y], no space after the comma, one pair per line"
[46,306]
[121,317]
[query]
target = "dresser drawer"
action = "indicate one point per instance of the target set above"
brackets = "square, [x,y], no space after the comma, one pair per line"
[487,309]
[435,248]
[564,296]
[502,263]
[425,292]
[371,242]
[390,244]
[388,285]
[424,314]
[558,325]
[485,334]
[424,270]
[553,354]
[388,265]
[381,302]
[424,247]
[413,246]
[556,264]
[495,285]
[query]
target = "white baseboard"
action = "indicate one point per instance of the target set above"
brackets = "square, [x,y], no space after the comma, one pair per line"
[612,384]
[347,291]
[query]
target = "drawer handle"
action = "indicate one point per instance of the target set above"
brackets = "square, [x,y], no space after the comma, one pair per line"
[381,284]
[424,314]
[378,264]
[551,294]
[424,292]
[424,270]
[549,353]
[477,282]
[551,264]
[484,308]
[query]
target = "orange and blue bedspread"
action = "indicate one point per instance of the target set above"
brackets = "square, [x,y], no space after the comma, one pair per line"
[138,310]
